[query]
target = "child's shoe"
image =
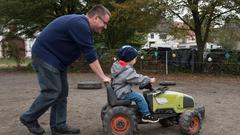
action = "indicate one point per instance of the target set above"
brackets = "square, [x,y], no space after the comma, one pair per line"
[150,118]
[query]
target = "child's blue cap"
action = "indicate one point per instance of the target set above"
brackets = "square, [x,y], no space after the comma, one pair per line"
[127,53]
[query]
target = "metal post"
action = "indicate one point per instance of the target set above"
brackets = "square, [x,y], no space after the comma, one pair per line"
[166,62]
[141,63]
[193,61]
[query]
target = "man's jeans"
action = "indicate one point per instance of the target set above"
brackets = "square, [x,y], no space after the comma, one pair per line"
[140,101]
[54,91]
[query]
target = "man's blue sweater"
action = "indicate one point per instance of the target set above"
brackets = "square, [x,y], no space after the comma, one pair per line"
[64,40]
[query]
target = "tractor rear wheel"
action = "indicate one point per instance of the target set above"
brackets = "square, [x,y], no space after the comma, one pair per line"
[190,122]
[104,110]
[120,120]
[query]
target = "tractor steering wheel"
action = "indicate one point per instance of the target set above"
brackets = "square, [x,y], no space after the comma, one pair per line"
[146,86]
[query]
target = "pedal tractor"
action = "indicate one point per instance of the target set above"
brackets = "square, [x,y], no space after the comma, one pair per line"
[121,117]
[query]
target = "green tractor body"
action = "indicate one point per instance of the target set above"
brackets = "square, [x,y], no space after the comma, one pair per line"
[121,117]
[168,100]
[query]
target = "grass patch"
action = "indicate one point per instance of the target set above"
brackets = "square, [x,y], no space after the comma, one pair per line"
[6,62]
[9,64]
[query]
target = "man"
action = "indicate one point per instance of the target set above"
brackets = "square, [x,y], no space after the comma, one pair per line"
[63,41]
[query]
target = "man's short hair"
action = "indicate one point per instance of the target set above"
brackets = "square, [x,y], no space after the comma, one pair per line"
[98,10]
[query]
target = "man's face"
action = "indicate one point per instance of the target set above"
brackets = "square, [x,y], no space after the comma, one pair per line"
[101,23]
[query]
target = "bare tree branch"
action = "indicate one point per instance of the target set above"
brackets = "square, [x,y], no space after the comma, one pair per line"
[177,14]
[211,6]
[222,13]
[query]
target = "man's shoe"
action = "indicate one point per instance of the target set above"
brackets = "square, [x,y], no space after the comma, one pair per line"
[150,118]
[33,126]
[66,130]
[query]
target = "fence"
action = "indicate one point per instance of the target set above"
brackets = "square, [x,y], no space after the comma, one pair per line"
[168,61]
[175,61]
[185,60]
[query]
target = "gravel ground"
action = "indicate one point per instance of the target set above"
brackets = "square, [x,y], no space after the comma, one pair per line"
[219,94]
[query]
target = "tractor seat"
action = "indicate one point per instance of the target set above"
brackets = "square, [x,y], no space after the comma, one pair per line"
[112,98]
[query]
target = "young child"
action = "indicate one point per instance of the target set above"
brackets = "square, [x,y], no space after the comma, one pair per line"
[125,76]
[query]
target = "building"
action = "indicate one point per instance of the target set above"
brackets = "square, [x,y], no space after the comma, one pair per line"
[161,39]
[154,41]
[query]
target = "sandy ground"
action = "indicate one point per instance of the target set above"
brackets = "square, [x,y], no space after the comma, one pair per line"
[220,96]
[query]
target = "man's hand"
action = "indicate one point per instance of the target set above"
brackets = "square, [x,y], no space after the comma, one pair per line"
[95,66]
[106,79]
[152,80]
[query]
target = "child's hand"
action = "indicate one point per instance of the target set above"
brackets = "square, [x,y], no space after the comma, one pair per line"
[153,80]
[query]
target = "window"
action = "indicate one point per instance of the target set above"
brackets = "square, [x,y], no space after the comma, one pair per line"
[152,35]
[150,43]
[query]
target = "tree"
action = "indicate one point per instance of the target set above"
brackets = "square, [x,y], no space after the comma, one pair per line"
[201,16]
[128,16]
[25,18]
[228,35]
[31,16]
[130,19]
[14,47]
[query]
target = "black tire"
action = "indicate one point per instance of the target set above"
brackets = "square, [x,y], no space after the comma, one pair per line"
[166,123]
[120,120]
[104,110]
[190,122]
[201,110]
[89,85]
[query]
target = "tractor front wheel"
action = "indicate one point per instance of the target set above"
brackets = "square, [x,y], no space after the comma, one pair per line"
[120,120]
[190,122]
